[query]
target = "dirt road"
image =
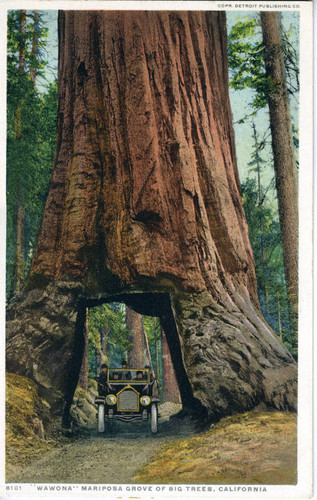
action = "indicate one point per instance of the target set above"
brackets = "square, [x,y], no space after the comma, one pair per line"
[112,457]
[251,448]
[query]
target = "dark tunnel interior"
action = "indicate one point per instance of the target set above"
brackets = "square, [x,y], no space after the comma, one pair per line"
[148,304]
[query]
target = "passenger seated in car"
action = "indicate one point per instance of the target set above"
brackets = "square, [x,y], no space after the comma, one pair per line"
[141,376]
[114,377]
[124,375]
[102,380]
[152,378]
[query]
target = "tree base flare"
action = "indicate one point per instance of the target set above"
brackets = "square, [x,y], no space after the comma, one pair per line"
[225,361]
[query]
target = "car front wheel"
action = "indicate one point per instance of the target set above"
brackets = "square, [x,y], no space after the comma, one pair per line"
[101,418]
[154,418]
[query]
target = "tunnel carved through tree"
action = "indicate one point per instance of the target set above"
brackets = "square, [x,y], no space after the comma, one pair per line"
[144,206]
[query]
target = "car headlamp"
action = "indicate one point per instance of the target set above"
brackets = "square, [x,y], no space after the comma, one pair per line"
[145,400]
[111,399]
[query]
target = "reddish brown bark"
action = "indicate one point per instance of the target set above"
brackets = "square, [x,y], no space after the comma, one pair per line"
[144,208]
[147,353]
[151,121]
[104,337]
[284,157]
[83,376]
[170,386]
[134,323]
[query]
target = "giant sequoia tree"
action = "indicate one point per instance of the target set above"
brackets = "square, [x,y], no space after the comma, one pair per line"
[144,208]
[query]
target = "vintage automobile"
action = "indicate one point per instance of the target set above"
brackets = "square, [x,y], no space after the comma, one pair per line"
[129,395]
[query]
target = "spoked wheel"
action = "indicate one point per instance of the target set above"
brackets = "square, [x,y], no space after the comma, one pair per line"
[101,418]
[154,418]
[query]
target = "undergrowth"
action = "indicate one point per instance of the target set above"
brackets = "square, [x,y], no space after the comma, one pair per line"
[25,412]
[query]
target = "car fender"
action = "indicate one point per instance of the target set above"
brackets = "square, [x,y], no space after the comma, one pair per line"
[100,400]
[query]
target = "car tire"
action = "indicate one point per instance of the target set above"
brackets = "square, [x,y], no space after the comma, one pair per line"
[154,418]
[101,418]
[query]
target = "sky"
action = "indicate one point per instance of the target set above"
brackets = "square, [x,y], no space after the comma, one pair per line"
[239,105]
[239,99]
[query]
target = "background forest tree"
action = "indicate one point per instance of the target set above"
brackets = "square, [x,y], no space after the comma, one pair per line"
[30,150]
[31,134]
[248,71]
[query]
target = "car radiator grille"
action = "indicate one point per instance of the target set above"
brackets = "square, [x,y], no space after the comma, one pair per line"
[128,401]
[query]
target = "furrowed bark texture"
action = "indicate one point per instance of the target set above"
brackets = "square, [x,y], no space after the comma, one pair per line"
[170,386]
[84,371]
[134,322]
[284,158]
[144,204]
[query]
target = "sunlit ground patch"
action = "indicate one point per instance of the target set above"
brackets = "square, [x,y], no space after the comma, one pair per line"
[252,448]
[24,410]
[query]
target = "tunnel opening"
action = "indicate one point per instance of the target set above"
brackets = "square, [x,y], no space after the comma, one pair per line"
[139,328]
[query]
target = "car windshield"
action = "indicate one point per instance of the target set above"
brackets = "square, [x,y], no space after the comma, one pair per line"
[135,375]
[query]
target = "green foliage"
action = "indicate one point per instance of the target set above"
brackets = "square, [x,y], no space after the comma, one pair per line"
[291,57]
[247,71]
[109,320]
[152,329]
[265,237]
[15,40]
[31,135]
[247,66]
[270,273]
[246,60]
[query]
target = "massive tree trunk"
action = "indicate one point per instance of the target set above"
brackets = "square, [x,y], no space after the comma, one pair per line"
[144,208]
[284,158]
